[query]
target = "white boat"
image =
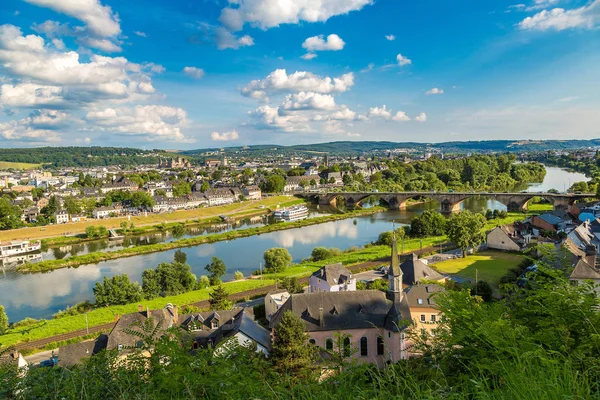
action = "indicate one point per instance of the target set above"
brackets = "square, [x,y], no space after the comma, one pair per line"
[14,248]
[13,261]
[290,214]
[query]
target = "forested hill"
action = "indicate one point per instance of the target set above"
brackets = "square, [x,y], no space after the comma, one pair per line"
[353,148]
[81,156]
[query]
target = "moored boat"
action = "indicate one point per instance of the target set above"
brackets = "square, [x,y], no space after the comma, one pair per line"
[8,249]
[294,213]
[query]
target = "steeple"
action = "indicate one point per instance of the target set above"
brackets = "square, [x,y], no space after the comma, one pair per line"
[395,274]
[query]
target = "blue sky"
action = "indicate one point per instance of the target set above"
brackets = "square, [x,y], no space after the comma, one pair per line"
[201,73]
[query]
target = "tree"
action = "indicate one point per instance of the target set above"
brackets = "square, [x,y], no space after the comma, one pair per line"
[277,259]
[465,229]
[181,189]
[168,279]
[117,290]
[430,223]
[10,215]
[291,284]
[238,275]
[180,257]
[216,269]
[484,290]
[142,199]
[91,232]
[72,205]
[273,184]
[3,320]
[204,187]
[218,299]
[320,254]
[203,282]
[178,230]
[291,354]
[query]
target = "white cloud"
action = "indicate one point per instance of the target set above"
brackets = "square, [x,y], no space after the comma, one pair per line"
[99,19]
[559,19]
[402,61]
[568,99]
[154,122]
[318,43]
[193,72]
[267,14]
[434,91]
[58,44]
[368,68]
[31,95]
[344,114]
[380,112]
[225,136]
[39,127]
[270,118]
[300,81]
[308,56]
[101,44]
[541,4]
[390,37]
[401,116]
[422,117]
[140,34]
[308,101]
[227,40]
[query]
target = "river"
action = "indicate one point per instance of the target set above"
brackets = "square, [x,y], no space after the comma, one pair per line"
[41,295]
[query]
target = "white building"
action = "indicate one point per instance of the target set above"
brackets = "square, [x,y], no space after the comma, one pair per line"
[62,217]
[274,300]
[332,278]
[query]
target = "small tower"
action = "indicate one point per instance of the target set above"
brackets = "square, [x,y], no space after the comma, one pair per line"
[395,274]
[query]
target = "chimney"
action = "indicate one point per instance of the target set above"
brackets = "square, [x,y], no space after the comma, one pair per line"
[415,256]
[321,322]
[590,250]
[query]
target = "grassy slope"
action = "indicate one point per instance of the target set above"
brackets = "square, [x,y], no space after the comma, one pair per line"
[490,265]
[17,165]
[236,209]
[539,207]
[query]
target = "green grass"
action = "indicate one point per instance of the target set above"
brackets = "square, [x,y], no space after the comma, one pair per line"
[489,266]
[539,207]
[53,327]
[18,165]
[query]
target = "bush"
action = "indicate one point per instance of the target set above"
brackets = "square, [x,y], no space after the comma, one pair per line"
[484,290]
[203,282]
[238,276]
[25,322]
[320,254]
[77,309]
[277,259]
[189,309]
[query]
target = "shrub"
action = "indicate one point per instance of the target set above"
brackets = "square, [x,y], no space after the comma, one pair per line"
[189,309]
[238,276]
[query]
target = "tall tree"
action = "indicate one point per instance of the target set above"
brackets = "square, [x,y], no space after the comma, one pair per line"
[465,229]
[117,290]
[10,215]
[291,352]
[216,269]
[3,320]
[218,299]
[277,259]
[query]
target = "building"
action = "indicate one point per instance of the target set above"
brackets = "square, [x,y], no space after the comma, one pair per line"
[421,303]
[294,183]
[548,222]
[505,238]
[585,272]
[219,196]
[78,218]
[217,329]
[177,162]
[62,217]
[123,184]
[252,192]
[274,300]
[332,278]
[415,270]
[105,212]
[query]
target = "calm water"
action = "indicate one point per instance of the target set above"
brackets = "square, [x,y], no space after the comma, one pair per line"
[41,295]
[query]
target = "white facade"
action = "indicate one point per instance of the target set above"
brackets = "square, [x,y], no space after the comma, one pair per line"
[62,217]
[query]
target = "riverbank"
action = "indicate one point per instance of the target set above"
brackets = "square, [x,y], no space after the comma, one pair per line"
[72,229]
[96,257]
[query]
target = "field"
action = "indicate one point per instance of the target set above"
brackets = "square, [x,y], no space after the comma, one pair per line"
[489,266]
[539,207]
[17,165]
[236,209]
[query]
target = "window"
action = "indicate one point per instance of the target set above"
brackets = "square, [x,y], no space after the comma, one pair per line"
[380,346]
[420,301]
[423,319]
[347,347]
[329,344]
[389,334]
[364,346]
[312,341]
[214,324]
[432,317]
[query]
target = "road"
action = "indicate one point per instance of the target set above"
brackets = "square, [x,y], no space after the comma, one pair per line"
[35,359]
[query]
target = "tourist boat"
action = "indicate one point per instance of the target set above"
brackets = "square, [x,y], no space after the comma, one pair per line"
[290,214]
[8,249]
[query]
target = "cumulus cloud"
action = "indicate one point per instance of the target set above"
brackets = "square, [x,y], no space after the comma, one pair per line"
[31,95]
[402,61]
[225,136]
[380,112]
[559,19]
[227,40]
[268,117]
[422,117]
[155,122]
[434,91]
[279,81]
[308,56]
[267,14]
[401,116]
[140,34]
[308,101]
[193,72]
[390,37]
[40,126]
[319,43]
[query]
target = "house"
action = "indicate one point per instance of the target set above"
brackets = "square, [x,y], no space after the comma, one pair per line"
[62,217]
[219,196]
[105,212]
[373,325]
[584,271]
[252,192]
[334,178]
[332,278]
[293,183]
[212,164]
[123,184]
[78,218]
[30,215]
[548,222]
[42,202]
[217,329]
[421,303]
[15,359]
[73,354]
[415,270]
[506,238]
[274,300]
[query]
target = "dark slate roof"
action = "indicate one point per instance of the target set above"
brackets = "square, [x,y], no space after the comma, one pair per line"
[551,219]
[422,295]
[254,331]
[583,270]
[334,274]
[341,310]
[73,354]
[118,336]
[414,270]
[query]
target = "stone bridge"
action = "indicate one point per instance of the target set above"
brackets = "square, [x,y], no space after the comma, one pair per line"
[449,201]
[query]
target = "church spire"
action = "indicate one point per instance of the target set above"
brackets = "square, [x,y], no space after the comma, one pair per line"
[394,269]
[395,274]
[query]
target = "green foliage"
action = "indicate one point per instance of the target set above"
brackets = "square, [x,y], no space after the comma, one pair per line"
[77,309]
[178,230]
[218,299]
[117,290]
[181,189]
[277,259]
[484,290]
[360,285]
[216,269]
[204,187]
[273,184]
[238,275]
[10,215]
[378,284]
[320,254]
[168,279]
[385,238]
[3,320]
[189,309]
[430,223]
[291,284]
[465,229]
[203,282]
[290,351]
[180,256]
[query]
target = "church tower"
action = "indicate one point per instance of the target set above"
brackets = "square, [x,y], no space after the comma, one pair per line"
[395,274]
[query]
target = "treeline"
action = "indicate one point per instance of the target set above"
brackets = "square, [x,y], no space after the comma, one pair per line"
[578,162]
[497,173]
[538,342]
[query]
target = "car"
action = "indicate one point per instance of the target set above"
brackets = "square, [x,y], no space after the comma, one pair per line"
[450,191]
[383,269]
[49,363]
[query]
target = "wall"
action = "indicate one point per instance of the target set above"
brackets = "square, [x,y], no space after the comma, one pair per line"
[498,239]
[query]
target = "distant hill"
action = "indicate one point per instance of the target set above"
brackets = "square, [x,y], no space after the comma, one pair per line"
[355,148]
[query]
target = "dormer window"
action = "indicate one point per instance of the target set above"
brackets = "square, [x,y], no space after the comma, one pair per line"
[214,324]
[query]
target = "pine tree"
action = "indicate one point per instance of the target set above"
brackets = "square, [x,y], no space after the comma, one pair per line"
[291,352]
[218,299]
